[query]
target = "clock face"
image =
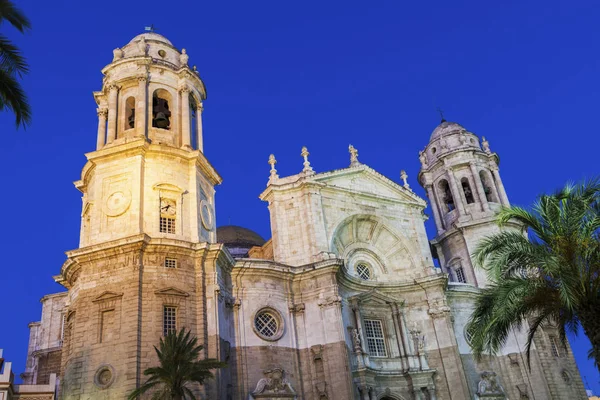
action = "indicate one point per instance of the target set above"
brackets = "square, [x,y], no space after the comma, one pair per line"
[168,207]
[206,214]
[117,203]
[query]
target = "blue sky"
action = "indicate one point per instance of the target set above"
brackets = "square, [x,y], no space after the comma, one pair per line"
[282,75]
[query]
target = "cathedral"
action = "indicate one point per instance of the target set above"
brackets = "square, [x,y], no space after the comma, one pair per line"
[348,298]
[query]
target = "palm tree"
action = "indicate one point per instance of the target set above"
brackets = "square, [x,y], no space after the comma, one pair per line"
[178,367]
[13,66]
[551,276]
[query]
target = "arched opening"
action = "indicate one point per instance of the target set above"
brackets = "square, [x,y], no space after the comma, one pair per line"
[467,190]
[487,189]
[161,115]
[193,122]
[129,113]
[447,199]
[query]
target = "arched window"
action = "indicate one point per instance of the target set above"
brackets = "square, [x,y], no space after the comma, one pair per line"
[467,190]
[487,186]
[193,122]
[130,113]
[456,271]
[161,115]
[447,199]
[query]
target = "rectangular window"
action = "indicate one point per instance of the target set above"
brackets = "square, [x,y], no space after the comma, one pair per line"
[107,325]
[460,275]
[169,320]
[554,346]
[167,224]
[170,263]
[375,339]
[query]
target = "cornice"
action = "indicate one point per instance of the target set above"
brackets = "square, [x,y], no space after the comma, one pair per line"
[251,266]
[405,286]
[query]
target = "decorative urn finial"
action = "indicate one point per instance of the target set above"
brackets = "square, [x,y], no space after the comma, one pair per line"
[272,162]
[304,154]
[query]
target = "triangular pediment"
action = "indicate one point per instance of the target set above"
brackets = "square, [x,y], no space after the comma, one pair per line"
[374,296]
[364,179]
[107,295]
[171,291]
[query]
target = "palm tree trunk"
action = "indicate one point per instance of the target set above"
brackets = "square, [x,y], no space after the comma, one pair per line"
[590,320]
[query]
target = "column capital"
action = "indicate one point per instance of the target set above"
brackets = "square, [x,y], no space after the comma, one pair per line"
[113,87]
[184,89]
[142,78]
[102,112]
[200,107]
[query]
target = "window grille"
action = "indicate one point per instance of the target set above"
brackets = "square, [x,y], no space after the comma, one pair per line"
[169,320]
[375,339]
[460,275]
[167,224]
[363,272]
[170,263]
[266,324]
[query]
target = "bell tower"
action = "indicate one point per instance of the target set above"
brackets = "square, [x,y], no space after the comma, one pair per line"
[147,262]
[463,184]
[148,173]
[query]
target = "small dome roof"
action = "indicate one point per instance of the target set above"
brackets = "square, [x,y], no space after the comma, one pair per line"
[444,129]
[237,236]
[151,36]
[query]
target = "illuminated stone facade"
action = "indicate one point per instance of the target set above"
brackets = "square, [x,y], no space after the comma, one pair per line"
[342,302]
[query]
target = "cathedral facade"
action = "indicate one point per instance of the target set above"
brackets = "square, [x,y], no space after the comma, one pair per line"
[344,301]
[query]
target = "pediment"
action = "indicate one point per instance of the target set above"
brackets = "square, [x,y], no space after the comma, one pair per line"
[167,187]
[374,296]
[107,295]
[171,291]
[364,179]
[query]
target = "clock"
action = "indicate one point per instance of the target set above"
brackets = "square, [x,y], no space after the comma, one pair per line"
[207,215]
[168,207]
[117,203]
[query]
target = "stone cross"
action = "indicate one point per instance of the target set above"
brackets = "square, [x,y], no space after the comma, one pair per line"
[272,162]
[404,177]
[353,156]
[304,154]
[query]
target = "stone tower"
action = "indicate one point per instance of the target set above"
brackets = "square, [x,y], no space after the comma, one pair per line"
[465,190]
[147,262]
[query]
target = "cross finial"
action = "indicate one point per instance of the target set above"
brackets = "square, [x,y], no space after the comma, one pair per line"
[353,156]
[439,110]
[304,154]
[272,162]
[404,177]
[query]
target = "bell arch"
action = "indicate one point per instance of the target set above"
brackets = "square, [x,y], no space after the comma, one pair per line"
[162,105]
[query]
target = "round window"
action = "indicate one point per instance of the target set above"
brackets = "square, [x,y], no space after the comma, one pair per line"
[363,271]
[267,324]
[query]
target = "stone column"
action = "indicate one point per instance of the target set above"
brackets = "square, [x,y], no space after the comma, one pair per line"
[480,190]
[456,193]
[200,144]
[112,113]
[434,209]
[102,113]
[399,336]
[500,186]
[186,140]
[141,106]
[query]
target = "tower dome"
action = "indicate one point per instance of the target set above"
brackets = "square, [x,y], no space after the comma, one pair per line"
[445,128]
[151,36]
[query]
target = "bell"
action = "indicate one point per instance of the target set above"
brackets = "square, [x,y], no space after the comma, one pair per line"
[131,119]
[161,120]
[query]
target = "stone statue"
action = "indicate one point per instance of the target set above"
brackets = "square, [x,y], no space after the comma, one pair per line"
[423,159]
[486,145]
[353,156]
[117,54]
[488,387]
[142,46]
[183,57]
[356,340]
